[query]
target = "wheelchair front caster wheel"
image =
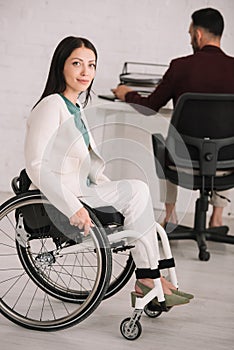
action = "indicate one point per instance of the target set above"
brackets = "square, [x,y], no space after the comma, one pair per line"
[152,312]
[204,255]
[130,330]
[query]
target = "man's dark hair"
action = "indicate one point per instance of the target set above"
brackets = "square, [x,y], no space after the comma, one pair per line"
[209,19]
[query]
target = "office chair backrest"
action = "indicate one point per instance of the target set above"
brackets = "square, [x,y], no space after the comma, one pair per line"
[205,123]
[205,115]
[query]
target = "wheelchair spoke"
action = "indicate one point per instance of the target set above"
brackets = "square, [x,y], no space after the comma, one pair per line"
[21,293]
[8,236]
[17,277]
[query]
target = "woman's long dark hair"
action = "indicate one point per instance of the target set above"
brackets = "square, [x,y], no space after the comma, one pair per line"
[55,81]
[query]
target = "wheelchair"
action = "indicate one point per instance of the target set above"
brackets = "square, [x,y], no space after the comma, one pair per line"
[53,277]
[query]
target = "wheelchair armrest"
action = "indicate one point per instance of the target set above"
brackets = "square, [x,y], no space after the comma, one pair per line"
[159,154]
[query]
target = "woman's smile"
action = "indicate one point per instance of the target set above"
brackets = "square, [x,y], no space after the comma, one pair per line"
[83,81]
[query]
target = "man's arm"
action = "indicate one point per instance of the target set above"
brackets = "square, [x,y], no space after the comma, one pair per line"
[157,99]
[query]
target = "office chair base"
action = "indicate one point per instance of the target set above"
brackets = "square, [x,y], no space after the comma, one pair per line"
[214,234]
[220,230]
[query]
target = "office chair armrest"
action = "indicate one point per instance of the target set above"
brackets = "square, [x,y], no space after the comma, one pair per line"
[159,154]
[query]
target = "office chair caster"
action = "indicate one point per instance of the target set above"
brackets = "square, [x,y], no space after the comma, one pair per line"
[130,329]
[204,255]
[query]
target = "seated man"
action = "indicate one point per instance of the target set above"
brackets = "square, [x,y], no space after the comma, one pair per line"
[208,70]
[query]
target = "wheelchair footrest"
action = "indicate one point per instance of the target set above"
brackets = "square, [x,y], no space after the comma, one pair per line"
[158,308]
[154,307]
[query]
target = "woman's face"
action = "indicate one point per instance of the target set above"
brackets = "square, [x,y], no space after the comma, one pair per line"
[79,70]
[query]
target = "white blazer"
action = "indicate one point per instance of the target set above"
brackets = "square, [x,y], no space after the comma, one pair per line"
[57,159]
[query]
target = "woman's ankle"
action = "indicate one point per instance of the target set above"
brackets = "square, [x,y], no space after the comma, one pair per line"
[216,218]
[170,213]
[148,282]
[167,286]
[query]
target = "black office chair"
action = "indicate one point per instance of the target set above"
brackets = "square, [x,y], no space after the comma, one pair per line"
[199,143]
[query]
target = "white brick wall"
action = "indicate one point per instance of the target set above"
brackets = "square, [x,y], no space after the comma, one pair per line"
[122,30]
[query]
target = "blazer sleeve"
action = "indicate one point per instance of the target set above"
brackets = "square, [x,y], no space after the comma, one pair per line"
[42,127]
[158,98]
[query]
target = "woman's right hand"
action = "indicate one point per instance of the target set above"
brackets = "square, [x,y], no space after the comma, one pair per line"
[120,91]
[82,219]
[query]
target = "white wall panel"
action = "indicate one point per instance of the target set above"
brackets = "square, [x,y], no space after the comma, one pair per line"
[122,30]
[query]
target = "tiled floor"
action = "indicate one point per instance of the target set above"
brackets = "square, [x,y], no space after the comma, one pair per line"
[207,323]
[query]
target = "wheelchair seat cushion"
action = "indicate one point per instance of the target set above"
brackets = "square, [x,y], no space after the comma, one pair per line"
[108,215]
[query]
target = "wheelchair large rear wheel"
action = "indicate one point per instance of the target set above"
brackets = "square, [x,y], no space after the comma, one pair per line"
[38,260]
[42,267]
[45,287]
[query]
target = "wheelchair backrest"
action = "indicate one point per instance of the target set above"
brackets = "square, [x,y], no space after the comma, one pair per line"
[40,218]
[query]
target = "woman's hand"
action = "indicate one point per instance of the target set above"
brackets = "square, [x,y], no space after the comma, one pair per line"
[82,219]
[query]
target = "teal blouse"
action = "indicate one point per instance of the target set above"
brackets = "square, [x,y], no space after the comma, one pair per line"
[75,110]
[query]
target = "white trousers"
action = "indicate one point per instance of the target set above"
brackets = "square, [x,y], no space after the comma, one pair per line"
[133,200]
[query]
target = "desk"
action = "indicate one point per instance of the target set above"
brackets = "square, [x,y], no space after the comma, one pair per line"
[123,137]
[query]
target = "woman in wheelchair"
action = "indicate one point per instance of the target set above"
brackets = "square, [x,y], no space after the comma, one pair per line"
[63,162]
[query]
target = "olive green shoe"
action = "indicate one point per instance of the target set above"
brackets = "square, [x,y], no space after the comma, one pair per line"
[145,290]
[173,300]
[135,295]
[182,294]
